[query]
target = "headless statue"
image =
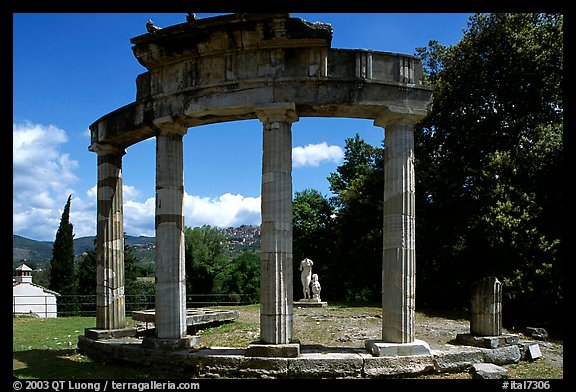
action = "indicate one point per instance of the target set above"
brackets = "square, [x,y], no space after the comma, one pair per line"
[306,277]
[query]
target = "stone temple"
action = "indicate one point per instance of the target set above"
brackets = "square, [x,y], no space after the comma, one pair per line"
[277,69]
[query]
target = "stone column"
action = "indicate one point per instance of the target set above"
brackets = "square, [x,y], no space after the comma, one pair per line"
[110,300]
[399,252]
[276,285]
[486,307]
[170,316]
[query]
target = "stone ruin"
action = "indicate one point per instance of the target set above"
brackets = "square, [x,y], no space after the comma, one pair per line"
[276,69]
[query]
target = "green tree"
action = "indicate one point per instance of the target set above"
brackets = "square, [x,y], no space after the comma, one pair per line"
[62,271]
[243,277]
[206,259]
[489,166]
[313,237]
[358,187]
[86,277]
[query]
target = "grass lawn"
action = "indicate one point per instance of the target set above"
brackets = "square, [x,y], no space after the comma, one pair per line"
[47,349]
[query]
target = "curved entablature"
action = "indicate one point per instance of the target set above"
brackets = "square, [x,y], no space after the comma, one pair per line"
[277,69]
[226,68]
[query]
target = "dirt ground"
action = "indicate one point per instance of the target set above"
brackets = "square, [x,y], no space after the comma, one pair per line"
[334,326]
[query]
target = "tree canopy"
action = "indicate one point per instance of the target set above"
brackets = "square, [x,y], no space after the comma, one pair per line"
[489,172]
[489,164]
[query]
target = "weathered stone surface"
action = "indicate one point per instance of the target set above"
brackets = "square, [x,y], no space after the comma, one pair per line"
[486,307]
[221,361]
[170,300]
[502,355]
[310,303]
[487,341]
[229,67]
[326,365]
[97,334]
[110,300]
[488,371]
[313,362]
[537,333]
[194,316]
[259,349]
[276,229]
[170,344]
[399,249]
[385,349]
[456,359]
[275,68]
[375,367]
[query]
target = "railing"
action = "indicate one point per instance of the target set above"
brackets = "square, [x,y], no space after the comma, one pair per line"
[85,305]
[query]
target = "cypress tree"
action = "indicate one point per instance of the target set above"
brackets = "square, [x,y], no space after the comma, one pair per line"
[62,271]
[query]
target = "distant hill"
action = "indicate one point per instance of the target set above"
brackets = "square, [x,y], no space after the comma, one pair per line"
[24,248]
[38,253]
[41,251]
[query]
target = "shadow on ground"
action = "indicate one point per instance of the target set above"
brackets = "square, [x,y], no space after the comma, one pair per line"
[68,364]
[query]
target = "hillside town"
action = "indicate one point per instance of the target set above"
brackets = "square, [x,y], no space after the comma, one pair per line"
[245,237]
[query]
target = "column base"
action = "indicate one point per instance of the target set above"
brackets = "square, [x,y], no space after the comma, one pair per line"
[261,349]
[170,344]
[99,334]
[379,348]
[467,339]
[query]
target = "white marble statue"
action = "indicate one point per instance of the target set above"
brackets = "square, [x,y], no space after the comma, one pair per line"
[315,287]
[306,276]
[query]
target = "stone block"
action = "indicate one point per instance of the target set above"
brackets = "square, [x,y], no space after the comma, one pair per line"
[326,365]
[502,355]
[376,367]
[486,341]
[384,349]
[537,333]
[457,359]
[310,303]
[170,344]
[488,371]
[288,350]
[98,334]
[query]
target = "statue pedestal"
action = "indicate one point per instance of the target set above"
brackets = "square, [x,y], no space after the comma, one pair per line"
[310,303]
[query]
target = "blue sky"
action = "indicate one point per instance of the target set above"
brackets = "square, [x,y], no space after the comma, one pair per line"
[71,69]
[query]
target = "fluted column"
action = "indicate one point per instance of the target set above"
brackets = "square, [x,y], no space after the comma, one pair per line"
[170,316]
[276,231]
[399,251]
[110,300]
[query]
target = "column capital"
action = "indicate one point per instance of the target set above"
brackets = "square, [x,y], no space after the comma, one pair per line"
[169,124]
[392,115]
[106,148]
[281,111]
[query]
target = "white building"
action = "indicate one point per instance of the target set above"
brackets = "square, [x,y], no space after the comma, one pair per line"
[31,299]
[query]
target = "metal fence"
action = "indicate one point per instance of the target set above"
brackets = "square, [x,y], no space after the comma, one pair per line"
[85,305]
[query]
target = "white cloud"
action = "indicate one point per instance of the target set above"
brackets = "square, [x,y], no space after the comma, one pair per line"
[314,154]
[224,211]
[42,176]
[38,164]
[139,217]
